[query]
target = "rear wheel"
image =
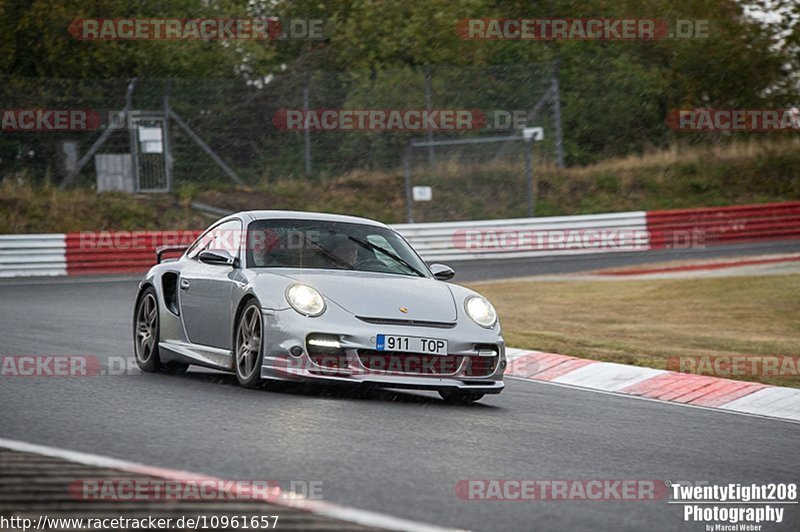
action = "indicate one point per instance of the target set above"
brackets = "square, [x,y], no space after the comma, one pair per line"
[459,397]
[146,333]
[248,345]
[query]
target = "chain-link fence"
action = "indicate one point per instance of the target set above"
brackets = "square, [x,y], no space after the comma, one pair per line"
[452,178]
[249,127]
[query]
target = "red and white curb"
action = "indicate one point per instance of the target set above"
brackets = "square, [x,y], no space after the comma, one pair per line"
[702,266]
[688,389]
[275,496]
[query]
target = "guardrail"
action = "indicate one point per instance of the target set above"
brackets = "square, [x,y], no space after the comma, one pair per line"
[131,252]
[118,251]
[22,255]
[528,237]
[726,225]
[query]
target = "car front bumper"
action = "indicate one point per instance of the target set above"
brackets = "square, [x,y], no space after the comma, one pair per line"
[285,330]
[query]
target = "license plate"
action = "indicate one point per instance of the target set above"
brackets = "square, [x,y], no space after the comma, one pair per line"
[411,344]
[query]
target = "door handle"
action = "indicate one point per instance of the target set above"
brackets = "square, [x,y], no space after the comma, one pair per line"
[185,284]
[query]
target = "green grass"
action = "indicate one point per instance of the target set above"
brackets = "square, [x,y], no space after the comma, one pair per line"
[741,173]
[642,322]
[24,209]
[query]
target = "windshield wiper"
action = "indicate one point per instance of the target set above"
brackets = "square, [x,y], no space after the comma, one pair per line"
[369,245]
[328,254]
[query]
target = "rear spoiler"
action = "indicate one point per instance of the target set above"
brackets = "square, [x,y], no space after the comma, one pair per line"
[161,250]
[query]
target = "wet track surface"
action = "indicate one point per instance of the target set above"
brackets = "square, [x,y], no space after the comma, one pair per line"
[479,270]
[396,453]
[46,496]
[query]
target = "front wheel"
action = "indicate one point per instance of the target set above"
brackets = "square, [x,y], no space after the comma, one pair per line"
[146,333]
[247,346]
[458,397]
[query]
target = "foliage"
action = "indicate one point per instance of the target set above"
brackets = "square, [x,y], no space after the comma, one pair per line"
[614,95]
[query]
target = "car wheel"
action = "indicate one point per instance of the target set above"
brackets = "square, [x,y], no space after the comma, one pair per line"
[248,346]
[146,332]
[458,397]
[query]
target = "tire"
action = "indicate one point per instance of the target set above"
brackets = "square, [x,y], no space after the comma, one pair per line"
[458,397]
[146,331]
[248,345]
[146,334]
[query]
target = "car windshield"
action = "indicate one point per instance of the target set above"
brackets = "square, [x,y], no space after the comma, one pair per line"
[330,245]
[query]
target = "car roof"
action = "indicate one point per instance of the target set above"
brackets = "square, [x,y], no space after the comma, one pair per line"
[303,215]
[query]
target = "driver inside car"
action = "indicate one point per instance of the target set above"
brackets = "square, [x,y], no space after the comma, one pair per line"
[347,250]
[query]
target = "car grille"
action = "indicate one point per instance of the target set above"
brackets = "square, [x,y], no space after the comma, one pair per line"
[330,361]
[409,323]
[409,363]
[480,366]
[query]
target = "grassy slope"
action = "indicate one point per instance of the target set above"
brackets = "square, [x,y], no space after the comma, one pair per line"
[642,322]
[733,174]
[700,177]
[49,210]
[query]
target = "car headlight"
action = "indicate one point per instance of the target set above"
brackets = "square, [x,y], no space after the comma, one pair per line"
[305,300]
[480,311]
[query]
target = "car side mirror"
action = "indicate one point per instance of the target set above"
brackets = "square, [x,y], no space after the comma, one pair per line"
[217,257]
[443,272]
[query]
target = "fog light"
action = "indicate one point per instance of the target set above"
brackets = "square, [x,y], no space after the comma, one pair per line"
[324,341]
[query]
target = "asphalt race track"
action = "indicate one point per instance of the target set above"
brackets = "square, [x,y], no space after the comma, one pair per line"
[396,453]
[479,270]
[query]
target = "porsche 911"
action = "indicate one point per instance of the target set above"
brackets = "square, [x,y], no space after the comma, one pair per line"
[305,297]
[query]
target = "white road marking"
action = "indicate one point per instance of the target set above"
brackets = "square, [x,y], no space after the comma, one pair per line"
[334,511]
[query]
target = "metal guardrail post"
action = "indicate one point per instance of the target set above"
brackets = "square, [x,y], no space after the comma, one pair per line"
[529,178]
[407,183]
[306,132]
[557,114]
[167,151]
[132,137]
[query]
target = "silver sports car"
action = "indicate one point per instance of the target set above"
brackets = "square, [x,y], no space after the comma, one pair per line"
[297,296]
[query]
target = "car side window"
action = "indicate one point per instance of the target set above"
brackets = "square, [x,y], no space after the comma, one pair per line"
[226,236]
[201,244]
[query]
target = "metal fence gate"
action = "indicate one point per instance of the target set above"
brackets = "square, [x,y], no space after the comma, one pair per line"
[150,152]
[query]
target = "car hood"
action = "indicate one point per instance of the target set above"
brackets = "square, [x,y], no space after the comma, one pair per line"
[378,295]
